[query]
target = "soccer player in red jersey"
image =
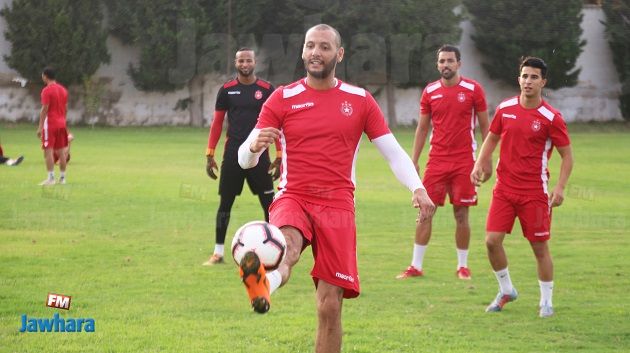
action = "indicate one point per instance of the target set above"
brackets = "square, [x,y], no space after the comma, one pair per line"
[528,129]
[320,121]
[241,99]
[451,105]
[52,126]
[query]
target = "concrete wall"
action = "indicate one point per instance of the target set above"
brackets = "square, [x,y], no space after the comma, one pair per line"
[594,98]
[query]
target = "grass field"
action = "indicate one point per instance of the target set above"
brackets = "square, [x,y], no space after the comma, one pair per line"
[126,238]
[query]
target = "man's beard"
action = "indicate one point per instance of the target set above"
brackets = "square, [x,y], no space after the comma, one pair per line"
[329,67]
[447,74]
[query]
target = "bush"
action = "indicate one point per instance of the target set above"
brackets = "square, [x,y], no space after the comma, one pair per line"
[506,30]
[618,32]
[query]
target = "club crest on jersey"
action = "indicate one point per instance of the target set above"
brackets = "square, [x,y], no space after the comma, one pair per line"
[461,97]
[258,94]
[536,125]
[346,108]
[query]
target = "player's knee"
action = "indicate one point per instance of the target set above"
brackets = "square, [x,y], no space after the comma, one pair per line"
[329,306]
[493,242]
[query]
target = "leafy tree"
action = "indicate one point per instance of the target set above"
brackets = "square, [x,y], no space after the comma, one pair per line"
[65,34]
[507,30]
[169,35]
[618,32]
[393,43]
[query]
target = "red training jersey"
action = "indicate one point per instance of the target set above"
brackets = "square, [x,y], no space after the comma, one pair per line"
[527,140]
[56,97]
[453,113]
[320,135]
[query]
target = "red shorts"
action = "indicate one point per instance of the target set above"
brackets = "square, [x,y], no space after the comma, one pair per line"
[533,212]
[332,234]
[54,138]
[453,178]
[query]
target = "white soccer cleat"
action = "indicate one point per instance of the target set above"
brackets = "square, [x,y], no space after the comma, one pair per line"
[545,311]
[47,182]
[62,181]
[15,162]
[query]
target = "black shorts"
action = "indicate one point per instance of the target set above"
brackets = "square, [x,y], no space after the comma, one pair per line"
[232,177]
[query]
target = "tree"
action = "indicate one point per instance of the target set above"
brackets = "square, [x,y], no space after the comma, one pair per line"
[393,43]
[64,34]
[507,30]
[170,36]
[618,32]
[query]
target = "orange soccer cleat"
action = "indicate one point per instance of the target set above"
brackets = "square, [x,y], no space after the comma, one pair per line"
[255,280]
[464,273]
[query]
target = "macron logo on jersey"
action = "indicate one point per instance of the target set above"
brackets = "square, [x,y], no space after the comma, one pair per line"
[234,92]
[436,96]
[509,116]
[303,105]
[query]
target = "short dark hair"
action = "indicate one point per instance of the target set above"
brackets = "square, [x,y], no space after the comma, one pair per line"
[534,62]
[325,27]
[450,48]
[49,72]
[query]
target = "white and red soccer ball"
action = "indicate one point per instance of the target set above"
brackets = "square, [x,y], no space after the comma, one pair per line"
[265,239]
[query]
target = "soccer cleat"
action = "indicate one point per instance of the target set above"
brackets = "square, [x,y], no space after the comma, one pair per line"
[499,302]
[255,280]
[545,311]
[47,182]
[15,162]
[410,272]
[61,181]
[464,273]
[215,259]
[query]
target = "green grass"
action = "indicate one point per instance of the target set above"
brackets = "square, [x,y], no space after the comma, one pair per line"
[127,235]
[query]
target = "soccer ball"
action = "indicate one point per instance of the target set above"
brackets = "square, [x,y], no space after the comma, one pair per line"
[265,239]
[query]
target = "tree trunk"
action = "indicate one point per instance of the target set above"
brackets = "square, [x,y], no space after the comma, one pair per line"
[195,88]
[391,105]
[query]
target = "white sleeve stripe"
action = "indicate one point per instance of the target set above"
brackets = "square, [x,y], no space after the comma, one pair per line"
[508,103]
[468,85]
[290,92]
[352,89]
[546,113]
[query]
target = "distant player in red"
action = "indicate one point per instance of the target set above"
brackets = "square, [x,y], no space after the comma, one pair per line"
[241,99]
[452,105]
[52,126]
[528,128]
[320,121]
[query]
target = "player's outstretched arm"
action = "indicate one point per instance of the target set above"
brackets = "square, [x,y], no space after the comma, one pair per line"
[482,171]
[257,142]
[557,194]
[405,172]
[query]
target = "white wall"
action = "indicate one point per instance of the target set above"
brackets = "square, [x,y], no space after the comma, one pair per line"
[594,98]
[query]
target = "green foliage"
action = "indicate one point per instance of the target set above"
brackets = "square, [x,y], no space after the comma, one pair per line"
[64,34]
[618,31]
[507,30]
[169,35]
[393,40]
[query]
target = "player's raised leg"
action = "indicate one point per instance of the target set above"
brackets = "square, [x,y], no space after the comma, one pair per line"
[258,282]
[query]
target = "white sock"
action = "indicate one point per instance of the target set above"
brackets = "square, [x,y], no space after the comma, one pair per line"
[505,283]
[218,249]
[275,280]
[462,258]
[546,292]
[62,175]
[51,175]
[418,255]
